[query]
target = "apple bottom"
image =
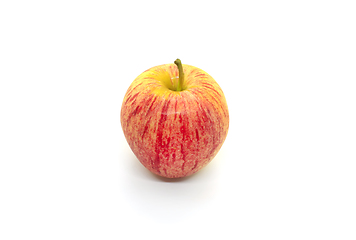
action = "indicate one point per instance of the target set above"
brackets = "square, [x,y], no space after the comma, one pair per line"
[174,163]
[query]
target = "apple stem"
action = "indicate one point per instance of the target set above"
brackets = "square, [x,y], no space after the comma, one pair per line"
[181,74]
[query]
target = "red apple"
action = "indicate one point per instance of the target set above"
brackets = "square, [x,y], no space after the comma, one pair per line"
[175,119]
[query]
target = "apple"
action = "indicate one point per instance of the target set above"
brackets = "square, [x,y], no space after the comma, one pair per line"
[175,119]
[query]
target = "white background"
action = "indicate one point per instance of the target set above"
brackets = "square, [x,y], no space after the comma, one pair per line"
[287,169]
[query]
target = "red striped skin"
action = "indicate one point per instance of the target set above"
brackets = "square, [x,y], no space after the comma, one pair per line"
[174,134]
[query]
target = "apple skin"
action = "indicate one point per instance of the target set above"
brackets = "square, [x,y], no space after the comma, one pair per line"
[174,133]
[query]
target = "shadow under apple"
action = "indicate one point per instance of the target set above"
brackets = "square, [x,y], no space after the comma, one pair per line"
[161,199]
